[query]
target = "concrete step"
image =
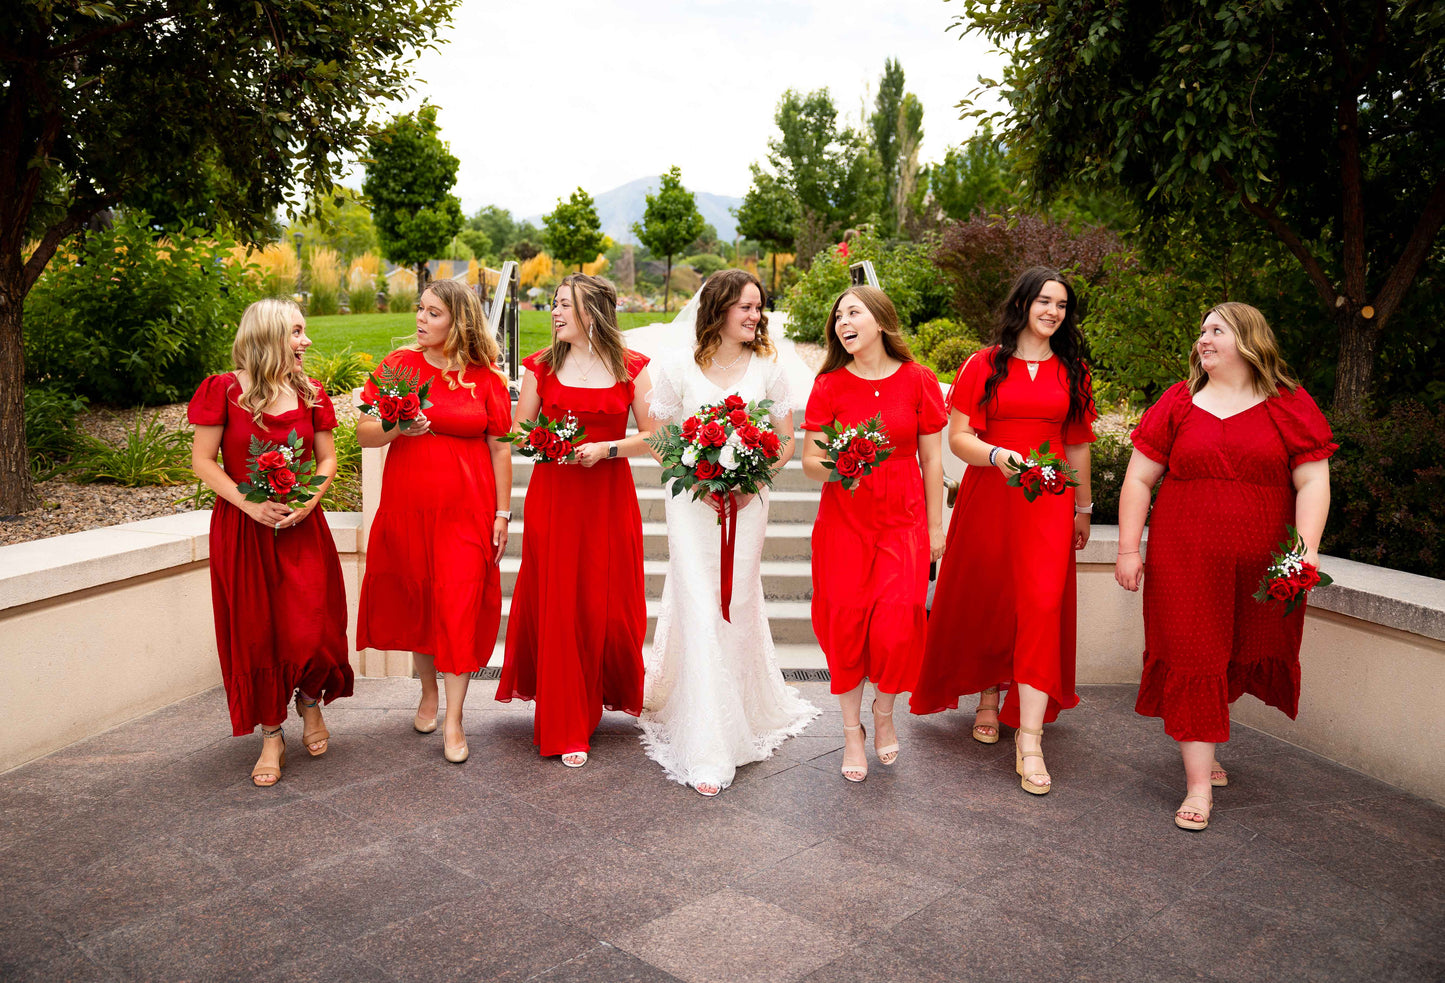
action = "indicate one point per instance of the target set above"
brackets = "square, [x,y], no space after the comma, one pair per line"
[785,541]
[784,506]
[791,655]
[783,580]
[791,622]
[647,473]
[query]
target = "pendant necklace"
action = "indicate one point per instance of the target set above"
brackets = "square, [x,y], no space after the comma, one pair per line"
[1033,364]
[590,366]
[724,368]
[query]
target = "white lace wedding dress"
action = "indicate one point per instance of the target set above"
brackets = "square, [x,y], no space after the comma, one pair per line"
[713,696]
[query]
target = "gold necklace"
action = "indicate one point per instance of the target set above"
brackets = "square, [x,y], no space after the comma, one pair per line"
[582,375]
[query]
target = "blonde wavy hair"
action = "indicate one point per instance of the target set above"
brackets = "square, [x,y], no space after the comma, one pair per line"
[1256,344]
[721,291]
[262,350]
[597,297]
[468,342]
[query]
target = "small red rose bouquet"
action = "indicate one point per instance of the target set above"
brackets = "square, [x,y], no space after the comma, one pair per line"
[399,398]
[548,440]
[1041,473]
[1288,578]
[722,449]
[280,472]
[851,453]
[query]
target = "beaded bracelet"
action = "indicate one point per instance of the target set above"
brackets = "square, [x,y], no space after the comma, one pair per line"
[993,455]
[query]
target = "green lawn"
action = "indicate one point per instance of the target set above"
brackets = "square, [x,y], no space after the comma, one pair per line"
[378,334]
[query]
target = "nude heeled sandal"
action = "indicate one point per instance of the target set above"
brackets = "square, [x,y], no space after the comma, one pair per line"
[886,755]
[1218,769]
[861,771]
[978,732]
[272,772]
[320,736]
[1193,824]
[1033,788]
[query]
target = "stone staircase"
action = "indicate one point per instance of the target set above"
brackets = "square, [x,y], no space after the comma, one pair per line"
[787,571]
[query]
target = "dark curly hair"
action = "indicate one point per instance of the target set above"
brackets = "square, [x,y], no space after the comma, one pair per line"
[1068,341]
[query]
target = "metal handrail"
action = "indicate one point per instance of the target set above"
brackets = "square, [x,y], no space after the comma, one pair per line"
[861,274]
[504,316]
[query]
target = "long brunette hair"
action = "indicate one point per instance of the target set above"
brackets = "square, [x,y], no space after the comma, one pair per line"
[883,312]
[1067,343]
[597,297]
[721,291]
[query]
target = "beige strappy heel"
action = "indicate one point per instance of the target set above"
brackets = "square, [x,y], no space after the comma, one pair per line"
[856,773]
[980,730]
[272,772]
[1033,788]
[320,736]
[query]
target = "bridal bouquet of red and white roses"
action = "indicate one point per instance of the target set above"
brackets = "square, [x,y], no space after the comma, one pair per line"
[1288,578]
[280,472]
[1041,472]
[851,453]
[548,440]
[725,447]
[399,399]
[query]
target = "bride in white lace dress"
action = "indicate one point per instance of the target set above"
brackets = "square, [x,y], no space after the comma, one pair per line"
[714,698]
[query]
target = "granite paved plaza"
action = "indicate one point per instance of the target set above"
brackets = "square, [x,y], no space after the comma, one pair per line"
[146,854]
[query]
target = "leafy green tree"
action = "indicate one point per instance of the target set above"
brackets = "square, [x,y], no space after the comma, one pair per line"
[1316,123]
[341,221]
[224,107]
[769,213]
[573,230]
[409,180]
[832,172]
[971,177]
[478,242]
[896,126]
[670,223]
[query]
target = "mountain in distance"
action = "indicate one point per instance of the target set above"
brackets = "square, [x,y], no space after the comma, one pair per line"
[619,208]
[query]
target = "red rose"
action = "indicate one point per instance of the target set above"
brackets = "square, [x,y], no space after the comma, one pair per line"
[1281,589]
[735,402]
[739,418]
[689,427]
[270,461]
[712,435]
[539,438]
[750,435]
[282,480]
[850,465]
[1032,477]
[707,470]
[387,407]
[1307,578]
[866,450]
[561,448]
[410,407]
[1054,485]
[772,446]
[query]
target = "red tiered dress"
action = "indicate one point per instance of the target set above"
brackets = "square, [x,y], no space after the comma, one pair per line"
[1222,509]
[579,611]
[870,545]
[431,584]
[278,599]
[1003,608]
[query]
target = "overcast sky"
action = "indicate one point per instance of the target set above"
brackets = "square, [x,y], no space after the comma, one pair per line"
[539,97]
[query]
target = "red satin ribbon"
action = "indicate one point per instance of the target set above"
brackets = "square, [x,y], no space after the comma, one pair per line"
[728,522]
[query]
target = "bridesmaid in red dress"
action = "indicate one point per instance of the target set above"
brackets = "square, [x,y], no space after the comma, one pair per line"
[1243,452]
[872,545]
[279,603]
[1003,609]
[579,611]
[432,579]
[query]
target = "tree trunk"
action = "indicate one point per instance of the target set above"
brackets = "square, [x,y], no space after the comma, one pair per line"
[667,285]
[1354,374]
[423,277]
[17,491]
[774,284]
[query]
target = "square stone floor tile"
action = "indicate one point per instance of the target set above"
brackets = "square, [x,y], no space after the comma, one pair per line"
[729,937]
[820,802]
[420,796]
[1130,963]
[838,884]
[31,950]
[487,936]
[718,842]
[605,963]
[503,842]
[878,961]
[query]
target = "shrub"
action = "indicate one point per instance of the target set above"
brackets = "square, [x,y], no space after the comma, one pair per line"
[706,264]
[401,293]
[1387,489]
[150,455]
[1108,460]
[340,372]
[274,268]
[904,271]
[363,280]
[50,432]
[324,273]
[950,353]
[344,495]
[129,318]
[981,257]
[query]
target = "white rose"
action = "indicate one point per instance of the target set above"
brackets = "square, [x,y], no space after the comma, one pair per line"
[689,455]
[728,458]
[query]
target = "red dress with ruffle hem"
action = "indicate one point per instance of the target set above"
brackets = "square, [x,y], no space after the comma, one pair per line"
[870,545]
[278,597]
[1221,511]
[579,611]
[431,584]
[1004,605]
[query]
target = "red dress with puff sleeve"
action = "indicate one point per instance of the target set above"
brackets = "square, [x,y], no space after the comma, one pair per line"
[579,610]
[278,598]
[870,545]
[1004,606]
[1222,508]
[431,584]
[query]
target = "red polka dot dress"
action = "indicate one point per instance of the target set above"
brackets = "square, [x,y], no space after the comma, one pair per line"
[1222,509]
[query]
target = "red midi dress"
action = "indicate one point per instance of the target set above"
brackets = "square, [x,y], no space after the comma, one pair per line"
[1222,509]
[870,545]
[1003,608]
[277,596]
[431,584]
[579,612]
